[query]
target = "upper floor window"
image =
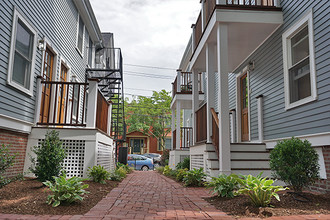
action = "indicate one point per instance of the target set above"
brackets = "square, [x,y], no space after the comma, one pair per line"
[299,63]
[80,37]
[22,53]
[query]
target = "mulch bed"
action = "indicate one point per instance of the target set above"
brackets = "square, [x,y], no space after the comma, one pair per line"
[29,197]
[240,206]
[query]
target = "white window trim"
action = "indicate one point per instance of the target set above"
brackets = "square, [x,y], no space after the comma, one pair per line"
[307,20]
[17,16]
[81,53]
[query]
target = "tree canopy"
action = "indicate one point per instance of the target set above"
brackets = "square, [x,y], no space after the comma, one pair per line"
[150,115]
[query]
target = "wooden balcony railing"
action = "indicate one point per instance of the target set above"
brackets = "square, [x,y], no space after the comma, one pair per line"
[263,3]
[63,103]
[174,139]
[215,131]
[186,137]
[102,113]
[198,30]
[186,84]
[201,126]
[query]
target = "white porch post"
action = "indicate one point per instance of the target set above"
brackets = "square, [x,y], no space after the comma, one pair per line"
[260,118]
[203,15]
[195,101]
[92,103]
[38,100]
[224,134]
[233,124]
[178,123]
[173,127]
[109,117]
[210,71]
[178,81]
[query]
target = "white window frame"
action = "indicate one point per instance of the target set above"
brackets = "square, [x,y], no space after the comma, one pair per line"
[81,52]
[307,20]
[18,16]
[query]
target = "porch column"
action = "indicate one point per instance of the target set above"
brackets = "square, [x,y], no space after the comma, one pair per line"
[203,15]
[92,103]
[38,100]
[195,101]
[178,123]
[260,118]
[178,80]
[223,96]
[210,70]
[173,127]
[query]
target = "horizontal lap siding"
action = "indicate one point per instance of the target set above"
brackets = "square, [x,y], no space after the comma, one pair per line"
[267,78]
[57,21]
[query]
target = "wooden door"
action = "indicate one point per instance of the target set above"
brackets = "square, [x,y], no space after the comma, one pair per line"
[244,108]
[46,90]
[62,90]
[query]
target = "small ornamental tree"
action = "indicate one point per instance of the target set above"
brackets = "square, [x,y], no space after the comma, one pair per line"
[50,156]
[295,162]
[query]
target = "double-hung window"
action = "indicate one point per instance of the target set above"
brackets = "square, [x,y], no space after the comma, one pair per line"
[80,37]
[22,53]
[299,63]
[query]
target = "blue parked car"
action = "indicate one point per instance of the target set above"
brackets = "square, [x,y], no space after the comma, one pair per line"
[140,162]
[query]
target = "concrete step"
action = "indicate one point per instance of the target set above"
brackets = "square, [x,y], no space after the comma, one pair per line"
[253,155]
[247,147]
[250,164]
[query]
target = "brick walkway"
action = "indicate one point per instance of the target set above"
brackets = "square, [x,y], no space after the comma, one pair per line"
[148,195]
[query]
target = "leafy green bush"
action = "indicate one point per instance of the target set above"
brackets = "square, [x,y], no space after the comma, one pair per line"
[194,177]
[6,161]
[160,169]
[295,162]
[65,190]
[260,190]
[180,174]
[116,176]
[50,156]
[167,170]
[98,174]
[121,171]
[224,186]
[125,167]
[185,164]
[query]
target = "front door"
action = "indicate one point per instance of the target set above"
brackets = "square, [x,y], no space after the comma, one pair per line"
[136,145]
[46,90]
[244,108]
[62,94]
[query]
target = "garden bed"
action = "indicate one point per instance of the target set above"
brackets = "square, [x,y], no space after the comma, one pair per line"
[240,206]
[29,197]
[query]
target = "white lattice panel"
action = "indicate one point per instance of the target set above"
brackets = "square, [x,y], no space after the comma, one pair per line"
[105,156]
[197,161]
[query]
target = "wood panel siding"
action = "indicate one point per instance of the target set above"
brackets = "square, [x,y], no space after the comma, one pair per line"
[102,113]
[267,78]
[59,26]
[201,124]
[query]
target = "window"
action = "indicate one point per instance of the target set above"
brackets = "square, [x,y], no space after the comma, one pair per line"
[80,38]
[299,63]
[90,53]
[22,53]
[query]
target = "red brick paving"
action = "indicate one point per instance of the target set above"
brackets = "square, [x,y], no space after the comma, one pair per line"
[149,195]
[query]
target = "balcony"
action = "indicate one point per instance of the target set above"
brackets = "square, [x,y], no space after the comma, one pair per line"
[186,138]
[184,85]
[249,22]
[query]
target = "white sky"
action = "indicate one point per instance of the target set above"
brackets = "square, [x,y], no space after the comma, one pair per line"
[150,33]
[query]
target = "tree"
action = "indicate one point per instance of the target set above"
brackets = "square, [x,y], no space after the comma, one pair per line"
[150,115]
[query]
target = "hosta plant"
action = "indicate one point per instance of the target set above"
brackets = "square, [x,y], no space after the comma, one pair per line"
[260,190]
[65,190]
[180,174]
[167,170]
[223,185]
[125,166]
[194,177]
[98,174]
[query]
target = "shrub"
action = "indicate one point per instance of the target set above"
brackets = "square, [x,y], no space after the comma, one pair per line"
[180,174]
[6,161]
[50,156]
[65,190]
[115,176]
[295,162]
[160,169]
[224,186]
[260,190]
[98,174]
[185,164]
[194,177]
[125,167]
[167,170]
[165,157]
[121,171]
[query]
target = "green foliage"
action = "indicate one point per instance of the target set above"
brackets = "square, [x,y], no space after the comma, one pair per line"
[224,186]
[260,190]
[50,156]
[165,157]
[116,176]
[167,170]
[194,177]
[150,115]
[185,164]
[98,174]
[125,167]
[6,161]
[160,169]
[122,172]
[65,190]
[295,162]
[180,174]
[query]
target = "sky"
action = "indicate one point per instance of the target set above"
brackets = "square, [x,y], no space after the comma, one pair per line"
[152,33]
